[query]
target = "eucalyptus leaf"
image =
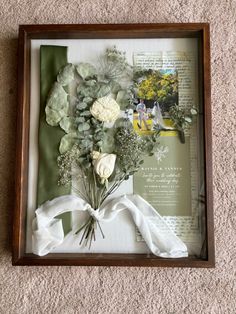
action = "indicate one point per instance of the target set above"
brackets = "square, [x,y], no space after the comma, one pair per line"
[188,119]
[86,70]
[108,141]
[98,137]
[115,87]
[57,105]
[68,124]
[100,143]
[122,99]
[85,113]
[81,105]
[94,121]
[80,135]
[90,83]
[97,130]
[80,119]
[67,142]
[81,159]
[87,100]
[57,97]
[66,75]
[53,117]
[104,90]
[88,133]
[86,143]
[85,91]
[83,127]
[193,111]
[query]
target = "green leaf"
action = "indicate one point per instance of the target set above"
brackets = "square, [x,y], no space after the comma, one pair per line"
[57,97]
[86,143]
[81,159]
[87,91]
[80,119]
[104,90]
[67,142]
[99,143]
[193,111]
[87,100]
[91,83]
[98,136]
[83,127]
[81,105]
[84,91]
[97,130]
[57,105]
[66,75]
[86,70]
[122,99]
[68,124]
[53,117]
[85,113]
[80,136]
[86,126]
[95,121]
[115,87]
[108,141]
[188,119]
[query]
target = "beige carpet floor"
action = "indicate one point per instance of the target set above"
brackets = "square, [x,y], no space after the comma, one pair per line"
[125,290]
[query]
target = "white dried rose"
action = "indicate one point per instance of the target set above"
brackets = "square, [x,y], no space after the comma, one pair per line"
[104,165]
[105,109]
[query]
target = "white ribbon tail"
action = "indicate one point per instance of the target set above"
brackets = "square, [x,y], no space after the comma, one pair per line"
[48,231]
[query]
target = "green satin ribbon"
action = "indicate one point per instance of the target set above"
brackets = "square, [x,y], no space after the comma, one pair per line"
[52,59]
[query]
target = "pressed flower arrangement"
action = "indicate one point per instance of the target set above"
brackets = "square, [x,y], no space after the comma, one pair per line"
[90,104]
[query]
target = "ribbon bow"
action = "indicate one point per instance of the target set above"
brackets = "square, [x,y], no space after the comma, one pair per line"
[48,231]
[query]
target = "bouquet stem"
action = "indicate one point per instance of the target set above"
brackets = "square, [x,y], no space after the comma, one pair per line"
[89,232]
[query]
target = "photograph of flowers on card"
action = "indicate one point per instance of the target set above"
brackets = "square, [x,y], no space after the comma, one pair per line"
[113,162]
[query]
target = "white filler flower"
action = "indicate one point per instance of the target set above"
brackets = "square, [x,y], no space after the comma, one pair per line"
[105,109]
[104,165]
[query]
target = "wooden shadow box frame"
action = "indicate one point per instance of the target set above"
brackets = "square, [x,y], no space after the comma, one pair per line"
[29,32]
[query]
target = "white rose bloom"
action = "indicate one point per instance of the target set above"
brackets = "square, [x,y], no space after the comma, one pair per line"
[104,165]
[105,109]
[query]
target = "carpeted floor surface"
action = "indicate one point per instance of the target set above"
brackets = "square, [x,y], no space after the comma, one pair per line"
[125,290]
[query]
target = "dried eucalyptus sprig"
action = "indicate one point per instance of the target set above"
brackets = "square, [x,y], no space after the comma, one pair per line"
[182,119]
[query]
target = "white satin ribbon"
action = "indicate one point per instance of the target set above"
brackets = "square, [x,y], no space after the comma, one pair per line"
[48,231]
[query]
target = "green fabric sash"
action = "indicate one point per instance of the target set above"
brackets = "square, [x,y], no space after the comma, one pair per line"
[52,59]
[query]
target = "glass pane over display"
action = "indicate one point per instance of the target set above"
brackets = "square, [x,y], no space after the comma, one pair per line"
[116,149]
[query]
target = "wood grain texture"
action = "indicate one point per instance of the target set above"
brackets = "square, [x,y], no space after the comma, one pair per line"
[28,32]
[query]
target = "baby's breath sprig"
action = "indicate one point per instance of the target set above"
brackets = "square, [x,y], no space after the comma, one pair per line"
[65,163]
[131,149]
